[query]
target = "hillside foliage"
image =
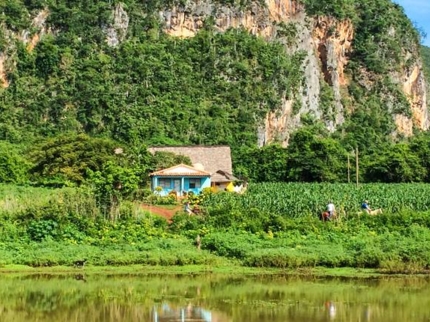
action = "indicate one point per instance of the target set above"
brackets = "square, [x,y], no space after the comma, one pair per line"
[214,88]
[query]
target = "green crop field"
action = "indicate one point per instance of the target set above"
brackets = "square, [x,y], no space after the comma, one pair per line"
[299,199]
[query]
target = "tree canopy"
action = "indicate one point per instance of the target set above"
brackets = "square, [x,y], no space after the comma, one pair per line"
[73,99]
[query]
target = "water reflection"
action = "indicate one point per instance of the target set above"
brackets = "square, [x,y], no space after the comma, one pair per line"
[210,298]
[331,308]
[367,313]
[168,313]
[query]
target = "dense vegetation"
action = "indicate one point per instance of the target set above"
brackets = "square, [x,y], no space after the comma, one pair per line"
[41,227]
[314,156]
[215,88]
[298,199]
[210,89]
[79,114]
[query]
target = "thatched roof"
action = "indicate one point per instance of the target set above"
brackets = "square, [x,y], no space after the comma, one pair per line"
[222,176]
[212,158]
[181,170]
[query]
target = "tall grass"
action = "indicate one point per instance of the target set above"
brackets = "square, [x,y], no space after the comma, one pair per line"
[43,227]
[16,199]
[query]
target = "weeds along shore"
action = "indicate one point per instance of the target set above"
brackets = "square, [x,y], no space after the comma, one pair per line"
[42,228]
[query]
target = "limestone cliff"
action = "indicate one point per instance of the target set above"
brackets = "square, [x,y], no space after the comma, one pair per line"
[117,31]
[3,72]
[327,42]
[30,37]
[414,86]
[5,56]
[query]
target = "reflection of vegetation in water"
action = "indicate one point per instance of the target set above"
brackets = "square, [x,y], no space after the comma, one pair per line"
[276,298]
[167,312]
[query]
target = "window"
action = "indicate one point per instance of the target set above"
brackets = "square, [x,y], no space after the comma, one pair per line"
[195,183]
[164,183]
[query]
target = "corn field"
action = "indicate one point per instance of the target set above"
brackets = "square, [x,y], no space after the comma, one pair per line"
[298,199]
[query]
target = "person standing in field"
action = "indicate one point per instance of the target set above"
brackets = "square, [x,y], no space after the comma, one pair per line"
[331,209]
[365,206]
[187,208]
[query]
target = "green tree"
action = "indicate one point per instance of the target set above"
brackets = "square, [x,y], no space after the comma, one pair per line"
[66,159]
[13,168]
[47,57]
[163,160]
[313,158]
[112,184]
[396,163]
[420,146]
[265,164]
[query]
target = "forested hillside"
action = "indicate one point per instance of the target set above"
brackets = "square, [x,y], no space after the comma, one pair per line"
[319,77]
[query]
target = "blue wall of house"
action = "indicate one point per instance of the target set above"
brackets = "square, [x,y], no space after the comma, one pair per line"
[180,184]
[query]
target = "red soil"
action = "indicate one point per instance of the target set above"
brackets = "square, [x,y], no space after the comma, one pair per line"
[160,211]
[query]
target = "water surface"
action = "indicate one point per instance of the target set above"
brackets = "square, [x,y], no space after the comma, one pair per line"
[214,298]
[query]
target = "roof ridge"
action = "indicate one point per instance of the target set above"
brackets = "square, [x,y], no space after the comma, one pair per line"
[195,171]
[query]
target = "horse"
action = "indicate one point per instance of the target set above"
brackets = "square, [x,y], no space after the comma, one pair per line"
[375,212]
[325,216]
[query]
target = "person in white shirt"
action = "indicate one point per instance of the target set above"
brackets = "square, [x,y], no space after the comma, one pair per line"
[187,208]
[331,209]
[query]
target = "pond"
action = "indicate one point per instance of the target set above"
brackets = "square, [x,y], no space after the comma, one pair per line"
[210,298]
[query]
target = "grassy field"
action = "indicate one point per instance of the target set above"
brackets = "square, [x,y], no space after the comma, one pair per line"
[43,228]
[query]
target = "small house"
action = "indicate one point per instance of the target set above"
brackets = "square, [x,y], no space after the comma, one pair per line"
[214,159]
[179,179]
[222,180]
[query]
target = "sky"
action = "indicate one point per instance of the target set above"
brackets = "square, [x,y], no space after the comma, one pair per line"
[419,12]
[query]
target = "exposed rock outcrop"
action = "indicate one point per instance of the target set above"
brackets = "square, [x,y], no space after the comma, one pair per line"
[3,74]
[39,24]
[258,20]
[414,87]
[5,60]
[327,42]
[333,42]
[117,32]
[39,30]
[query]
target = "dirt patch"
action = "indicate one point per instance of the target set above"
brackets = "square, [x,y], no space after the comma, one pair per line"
[162,212]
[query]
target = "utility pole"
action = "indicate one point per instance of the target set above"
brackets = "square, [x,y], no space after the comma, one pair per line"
[356,165]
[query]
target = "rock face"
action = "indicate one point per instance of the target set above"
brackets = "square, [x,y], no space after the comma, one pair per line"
[258,20]
[38,26]
[414,87]
[327,43]
[3,76]
[333,42]
[5,60]
[116,32]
